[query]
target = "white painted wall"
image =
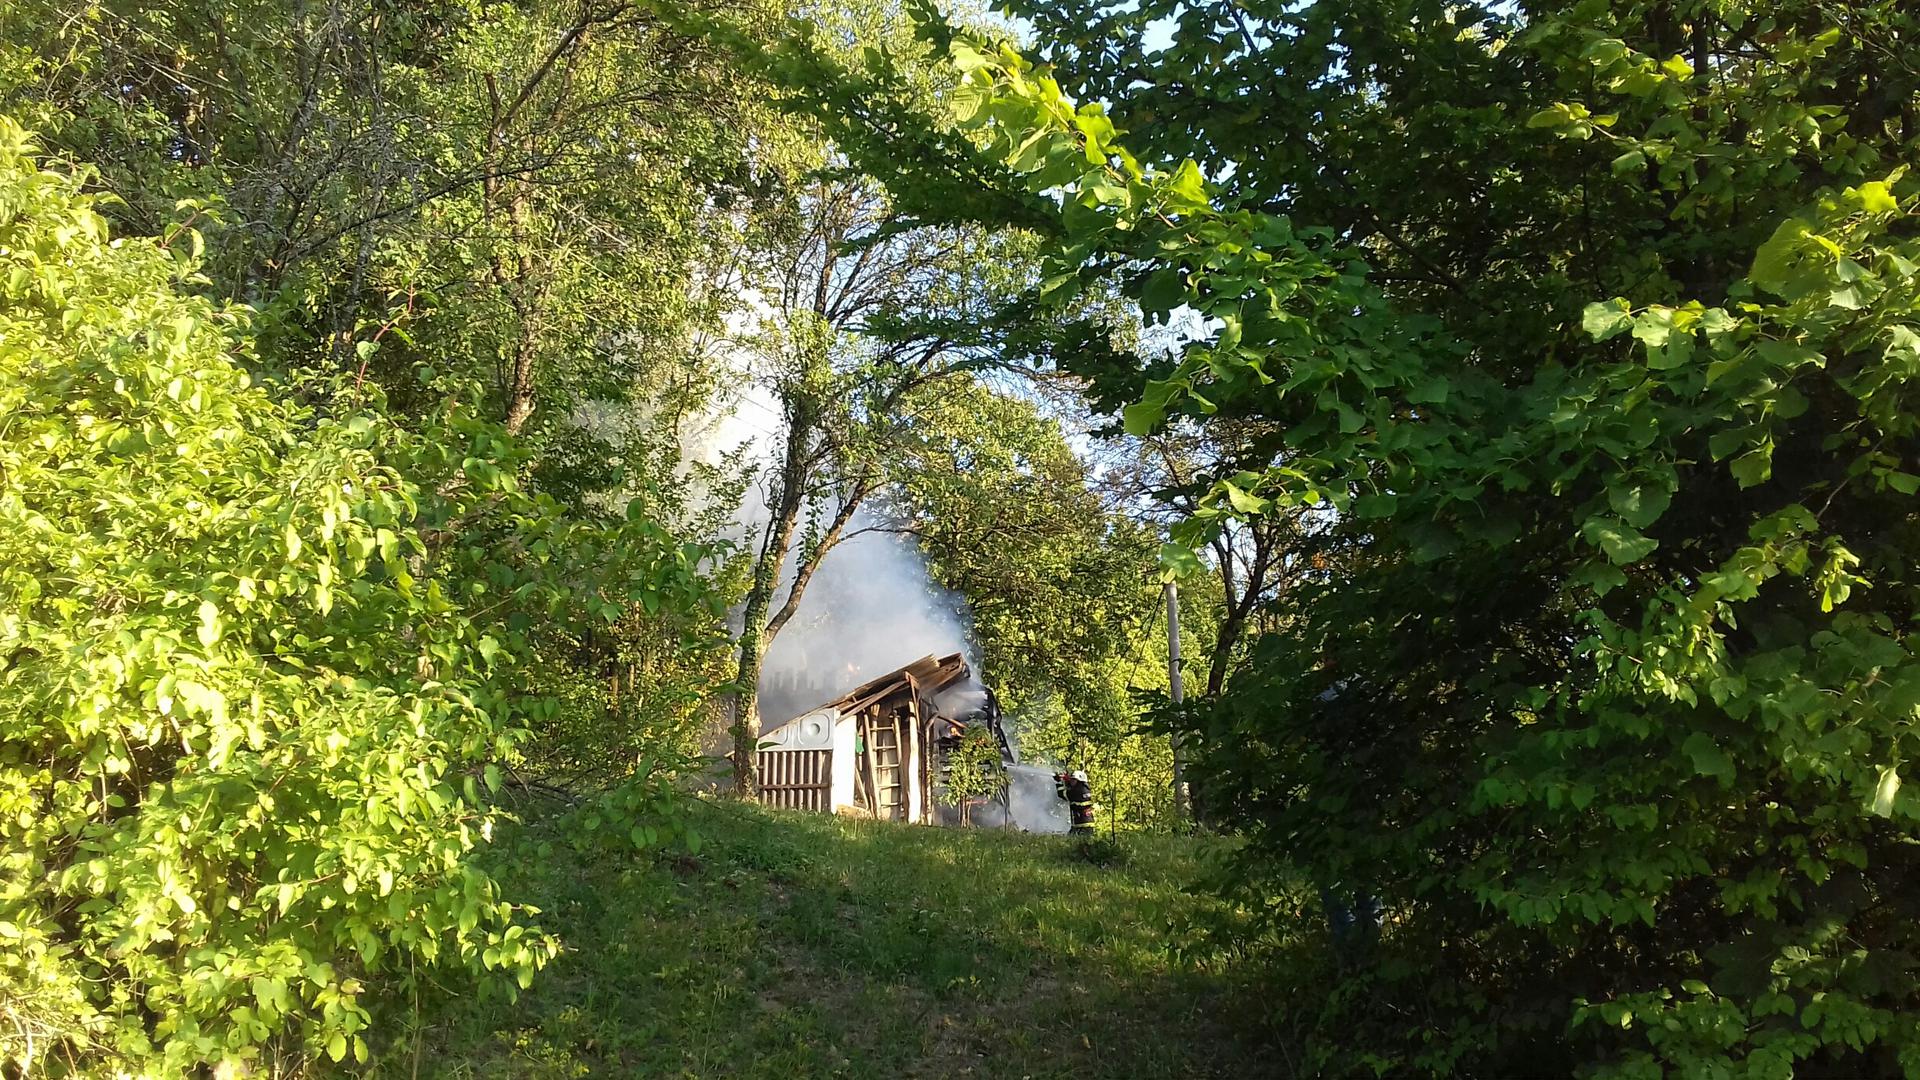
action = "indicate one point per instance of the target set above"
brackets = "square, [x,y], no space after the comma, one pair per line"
[845,760]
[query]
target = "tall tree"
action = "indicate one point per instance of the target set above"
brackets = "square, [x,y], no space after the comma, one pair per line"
[514,196]
[861,311]
[1251,562]
[259,663]
[858,318]
[1168,476]
[1062,601]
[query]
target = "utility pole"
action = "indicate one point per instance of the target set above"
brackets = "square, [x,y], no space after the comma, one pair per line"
[1181,800]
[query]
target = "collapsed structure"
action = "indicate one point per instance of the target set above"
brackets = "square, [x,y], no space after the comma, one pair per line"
[880,749]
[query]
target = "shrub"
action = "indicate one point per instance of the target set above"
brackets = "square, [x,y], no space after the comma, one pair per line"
[1605,686]
[973,771]
[253,666]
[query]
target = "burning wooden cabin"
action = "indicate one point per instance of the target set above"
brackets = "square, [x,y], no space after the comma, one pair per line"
[879,749]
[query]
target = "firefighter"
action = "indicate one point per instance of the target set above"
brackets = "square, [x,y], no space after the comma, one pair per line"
[1078,793]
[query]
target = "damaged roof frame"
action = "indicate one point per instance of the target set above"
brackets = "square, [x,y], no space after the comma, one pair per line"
[869,752]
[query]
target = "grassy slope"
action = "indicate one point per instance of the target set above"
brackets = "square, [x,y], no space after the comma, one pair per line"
[799,945]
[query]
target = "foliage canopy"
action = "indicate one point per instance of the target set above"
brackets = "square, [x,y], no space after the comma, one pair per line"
[257,661]
[1595,327]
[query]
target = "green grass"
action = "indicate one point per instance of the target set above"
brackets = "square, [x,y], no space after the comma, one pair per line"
[798,945]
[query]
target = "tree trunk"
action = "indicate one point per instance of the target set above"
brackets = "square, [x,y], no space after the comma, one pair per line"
[1182,795]
[754,635]
[519,393]
[1222,657]
[803,573]
[522,295]
[1242,600]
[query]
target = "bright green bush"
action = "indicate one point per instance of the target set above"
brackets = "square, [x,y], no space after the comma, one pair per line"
[254,660]
[973,771]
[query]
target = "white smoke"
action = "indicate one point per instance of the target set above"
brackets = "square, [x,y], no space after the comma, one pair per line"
[1034,803]
[963,699]
[741,427]
[872,607]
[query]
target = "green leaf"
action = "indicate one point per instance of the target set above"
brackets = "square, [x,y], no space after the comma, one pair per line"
[1163,290]
[1885,791]
[209,631]
[1601,577]
[1242,501]
[1145,415]
[967,58]
[1432,391]
[1876,198]
[1375,505]
[1639,502]
[1773,265]
[1231,331]
[1059,285]
[1607,318]
[1188,187]
[1707,757]
[1787,355]
[1178,560]
[966,101]
[1718,325]
[1623,544]
[1753,467]
[1653,326]
[1141,418]
[1629,163]
[1721,444]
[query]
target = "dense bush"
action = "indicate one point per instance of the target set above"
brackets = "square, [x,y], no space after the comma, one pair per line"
[1606,368]
[255,662]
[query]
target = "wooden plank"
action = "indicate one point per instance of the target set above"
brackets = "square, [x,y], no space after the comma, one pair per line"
[873,781]
[796,779]
[915,760]
[900,766]
[927,675]
[920,733]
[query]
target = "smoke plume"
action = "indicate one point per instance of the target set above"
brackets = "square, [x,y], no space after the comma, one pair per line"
[870,608]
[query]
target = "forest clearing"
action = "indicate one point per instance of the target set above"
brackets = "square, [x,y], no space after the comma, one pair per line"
[1077,538]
